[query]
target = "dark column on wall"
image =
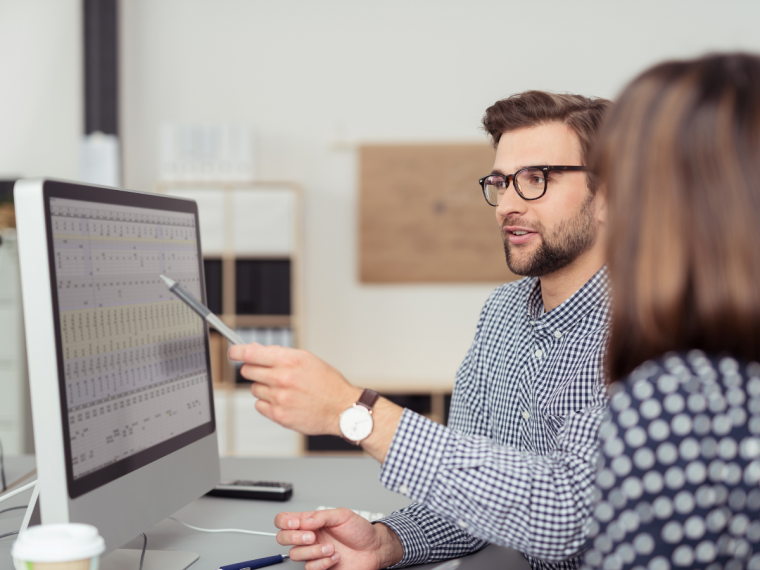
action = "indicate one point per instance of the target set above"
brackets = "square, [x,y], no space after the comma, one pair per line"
[101,77]
[100,151]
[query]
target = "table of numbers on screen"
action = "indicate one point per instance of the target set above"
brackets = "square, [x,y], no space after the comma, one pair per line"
[134,355]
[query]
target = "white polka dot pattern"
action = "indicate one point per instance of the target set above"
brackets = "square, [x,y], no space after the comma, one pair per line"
[679,487]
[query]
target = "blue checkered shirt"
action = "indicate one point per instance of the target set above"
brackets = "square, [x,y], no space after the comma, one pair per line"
[516,466]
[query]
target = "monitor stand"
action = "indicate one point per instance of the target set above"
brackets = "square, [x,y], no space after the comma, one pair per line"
[124,558]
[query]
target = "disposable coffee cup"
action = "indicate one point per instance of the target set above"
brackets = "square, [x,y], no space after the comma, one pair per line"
[58,547]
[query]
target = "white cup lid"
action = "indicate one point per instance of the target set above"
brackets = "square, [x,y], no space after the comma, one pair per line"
[58,543]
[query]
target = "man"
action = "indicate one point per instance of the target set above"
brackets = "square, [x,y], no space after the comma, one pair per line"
[516,465]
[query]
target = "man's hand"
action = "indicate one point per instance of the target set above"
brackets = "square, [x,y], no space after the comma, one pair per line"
[338,538]
[295,388]
[301,392]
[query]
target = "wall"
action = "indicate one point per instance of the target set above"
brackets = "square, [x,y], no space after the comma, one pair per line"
[15,406]
[40,125]
[41,95]
[306,75]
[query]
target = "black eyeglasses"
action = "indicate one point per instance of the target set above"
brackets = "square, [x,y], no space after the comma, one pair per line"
[530,182]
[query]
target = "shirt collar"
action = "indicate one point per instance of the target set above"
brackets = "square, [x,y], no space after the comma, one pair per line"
[594,292]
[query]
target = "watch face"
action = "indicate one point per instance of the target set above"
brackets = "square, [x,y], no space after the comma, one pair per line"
[356,423]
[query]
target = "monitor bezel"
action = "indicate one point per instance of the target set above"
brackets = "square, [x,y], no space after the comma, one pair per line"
[96,479]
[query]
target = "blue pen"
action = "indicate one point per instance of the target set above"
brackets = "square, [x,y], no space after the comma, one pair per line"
[258,563]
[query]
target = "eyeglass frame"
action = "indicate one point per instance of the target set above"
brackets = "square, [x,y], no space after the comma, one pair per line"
[512,177]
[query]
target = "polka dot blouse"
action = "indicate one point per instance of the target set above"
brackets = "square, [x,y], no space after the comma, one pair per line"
[679,469]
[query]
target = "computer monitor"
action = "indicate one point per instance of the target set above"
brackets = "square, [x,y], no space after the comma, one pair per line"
[119,368]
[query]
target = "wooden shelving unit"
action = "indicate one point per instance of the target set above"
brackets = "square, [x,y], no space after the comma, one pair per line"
[240,429]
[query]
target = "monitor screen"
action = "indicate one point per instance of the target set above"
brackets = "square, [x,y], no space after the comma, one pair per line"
[133,359]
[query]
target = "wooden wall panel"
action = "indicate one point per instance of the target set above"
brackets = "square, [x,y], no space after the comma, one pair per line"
[423,217]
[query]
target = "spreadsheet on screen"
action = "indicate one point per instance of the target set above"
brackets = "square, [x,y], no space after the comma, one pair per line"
[134,355]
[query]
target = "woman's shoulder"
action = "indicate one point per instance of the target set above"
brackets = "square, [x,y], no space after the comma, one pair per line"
[687,394]
[679,469]
[690,371]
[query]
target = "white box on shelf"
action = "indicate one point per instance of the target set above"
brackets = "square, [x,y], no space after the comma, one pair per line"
[262,221]
[206,152]
[220,410]
[281,336]
[259,436]
[210,215]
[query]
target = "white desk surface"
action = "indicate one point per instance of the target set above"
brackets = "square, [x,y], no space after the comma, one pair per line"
[333,481]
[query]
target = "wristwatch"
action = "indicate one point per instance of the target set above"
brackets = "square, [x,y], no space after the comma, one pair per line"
[356,422]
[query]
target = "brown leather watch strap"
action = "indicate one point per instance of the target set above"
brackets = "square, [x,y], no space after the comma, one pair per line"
[368,398]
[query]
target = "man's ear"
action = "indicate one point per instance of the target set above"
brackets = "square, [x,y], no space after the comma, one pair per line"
[600,205]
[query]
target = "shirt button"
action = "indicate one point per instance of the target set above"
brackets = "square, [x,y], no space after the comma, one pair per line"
[557,334]
[462,523]
[539,353]
[526,415]
[403,489]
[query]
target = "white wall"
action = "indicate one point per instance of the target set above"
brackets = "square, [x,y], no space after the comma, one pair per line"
[15,409]
[40,125]
[41,109]
[302,73]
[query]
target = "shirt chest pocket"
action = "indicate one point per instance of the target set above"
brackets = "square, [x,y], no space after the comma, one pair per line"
[568,398]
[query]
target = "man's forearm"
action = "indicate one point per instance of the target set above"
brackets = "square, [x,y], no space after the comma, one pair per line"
[386,416]
[487,490]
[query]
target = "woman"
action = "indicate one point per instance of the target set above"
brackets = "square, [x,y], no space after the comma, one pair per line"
[679,468]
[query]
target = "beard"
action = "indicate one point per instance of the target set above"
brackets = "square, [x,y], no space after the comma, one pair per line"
[559,248]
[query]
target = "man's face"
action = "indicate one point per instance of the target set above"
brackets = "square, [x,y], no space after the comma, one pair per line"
[542,236]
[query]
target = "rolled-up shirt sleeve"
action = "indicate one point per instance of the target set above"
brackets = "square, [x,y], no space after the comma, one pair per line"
[489,478]
[471,491]
[426,537]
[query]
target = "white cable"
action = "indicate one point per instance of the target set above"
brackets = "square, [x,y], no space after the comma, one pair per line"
[17,491]
[224,529]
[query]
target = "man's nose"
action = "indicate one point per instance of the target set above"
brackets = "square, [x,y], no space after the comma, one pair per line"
[510,204]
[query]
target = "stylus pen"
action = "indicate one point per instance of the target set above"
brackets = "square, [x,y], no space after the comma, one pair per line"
[203,311]
[258,563]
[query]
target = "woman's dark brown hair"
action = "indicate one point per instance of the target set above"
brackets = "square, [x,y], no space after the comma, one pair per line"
[679,155]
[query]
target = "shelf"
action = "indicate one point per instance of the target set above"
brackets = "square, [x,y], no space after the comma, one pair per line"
[258,321]
[406,386]
[164,186]
[262,261]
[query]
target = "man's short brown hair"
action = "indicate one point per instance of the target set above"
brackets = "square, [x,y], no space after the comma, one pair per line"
[532,108]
